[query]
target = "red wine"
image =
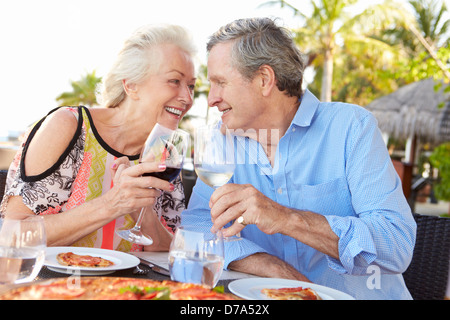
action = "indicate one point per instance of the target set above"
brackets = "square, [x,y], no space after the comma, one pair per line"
[169,174]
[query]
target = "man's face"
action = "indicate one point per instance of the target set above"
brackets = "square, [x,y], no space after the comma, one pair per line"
[237,98]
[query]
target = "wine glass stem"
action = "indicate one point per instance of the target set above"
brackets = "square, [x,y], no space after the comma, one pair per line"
[140,218]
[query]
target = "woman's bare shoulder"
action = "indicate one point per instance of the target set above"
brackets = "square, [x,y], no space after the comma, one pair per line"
[50,141]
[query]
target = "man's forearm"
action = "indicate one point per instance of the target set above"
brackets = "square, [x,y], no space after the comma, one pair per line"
[313,230]
[273,267]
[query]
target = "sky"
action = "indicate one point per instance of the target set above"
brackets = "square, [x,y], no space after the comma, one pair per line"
[47,43]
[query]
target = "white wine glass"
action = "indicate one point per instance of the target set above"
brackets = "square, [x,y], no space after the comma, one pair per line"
[196,256]
[22,249]
[163,145]
[214,159]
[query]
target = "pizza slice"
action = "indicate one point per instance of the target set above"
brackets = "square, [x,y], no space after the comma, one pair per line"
[298,293]
[76,260]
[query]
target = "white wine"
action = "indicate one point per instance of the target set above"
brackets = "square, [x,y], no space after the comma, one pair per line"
[213,178]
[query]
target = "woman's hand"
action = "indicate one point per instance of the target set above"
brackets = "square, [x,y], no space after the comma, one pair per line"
[131,190]
[149,189]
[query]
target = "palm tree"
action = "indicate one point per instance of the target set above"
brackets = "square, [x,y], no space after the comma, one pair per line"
[430,15]
[319,35]
[83,93]
[424,38]
[329,30]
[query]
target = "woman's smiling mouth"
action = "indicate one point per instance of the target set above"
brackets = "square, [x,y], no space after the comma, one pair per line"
[174,111]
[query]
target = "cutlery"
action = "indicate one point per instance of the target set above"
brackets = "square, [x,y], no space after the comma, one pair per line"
[155,268]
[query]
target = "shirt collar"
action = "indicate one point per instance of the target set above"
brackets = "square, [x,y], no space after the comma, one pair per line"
[306,110]
[303,118]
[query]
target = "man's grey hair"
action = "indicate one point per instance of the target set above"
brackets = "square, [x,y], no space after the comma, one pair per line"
[258,42]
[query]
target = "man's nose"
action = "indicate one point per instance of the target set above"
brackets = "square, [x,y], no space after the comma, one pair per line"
[214,98]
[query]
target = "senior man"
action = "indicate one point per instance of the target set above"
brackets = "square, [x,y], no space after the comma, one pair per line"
[317,197]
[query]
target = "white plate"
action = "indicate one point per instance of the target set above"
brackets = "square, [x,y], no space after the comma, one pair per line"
[120,259]
[250,289]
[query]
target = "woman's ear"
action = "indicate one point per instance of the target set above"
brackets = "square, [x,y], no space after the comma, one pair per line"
[130,89]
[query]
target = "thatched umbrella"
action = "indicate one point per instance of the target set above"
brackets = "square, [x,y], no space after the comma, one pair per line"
[412,111]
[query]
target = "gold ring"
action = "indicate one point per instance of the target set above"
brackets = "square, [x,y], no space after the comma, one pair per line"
[241,220]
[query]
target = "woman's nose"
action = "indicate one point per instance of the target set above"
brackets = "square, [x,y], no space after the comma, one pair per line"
[186,95]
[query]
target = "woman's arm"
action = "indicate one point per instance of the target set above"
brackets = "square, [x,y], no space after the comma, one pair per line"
[130,192]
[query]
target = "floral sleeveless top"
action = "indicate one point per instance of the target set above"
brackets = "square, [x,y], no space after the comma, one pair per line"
[81,174]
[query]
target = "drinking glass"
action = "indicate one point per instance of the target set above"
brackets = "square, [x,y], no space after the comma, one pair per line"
[22,249]
[196,256]
[163,145]
[214,160]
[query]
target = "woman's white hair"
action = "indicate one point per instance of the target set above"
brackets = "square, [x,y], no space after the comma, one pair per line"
[137,59]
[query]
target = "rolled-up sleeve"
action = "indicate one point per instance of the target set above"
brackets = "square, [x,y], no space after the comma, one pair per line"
[373,240]
[355,242]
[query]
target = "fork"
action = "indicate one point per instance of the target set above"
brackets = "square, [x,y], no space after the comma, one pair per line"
[139,271]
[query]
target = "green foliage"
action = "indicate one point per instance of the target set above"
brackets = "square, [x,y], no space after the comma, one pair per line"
[201,84]
[374,52]
[440,159]
[420,67]
[83,92]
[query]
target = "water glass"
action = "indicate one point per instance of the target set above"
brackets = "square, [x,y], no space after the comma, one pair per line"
[196,256]
[22,249]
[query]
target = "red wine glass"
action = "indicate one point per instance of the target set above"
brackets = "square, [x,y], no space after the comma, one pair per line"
[163,145]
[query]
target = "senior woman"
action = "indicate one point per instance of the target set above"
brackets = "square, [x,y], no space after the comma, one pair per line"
[79,167]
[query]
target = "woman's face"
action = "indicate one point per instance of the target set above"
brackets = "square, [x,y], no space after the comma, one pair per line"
[169,91]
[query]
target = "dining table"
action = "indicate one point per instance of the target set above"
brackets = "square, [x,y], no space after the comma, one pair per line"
[155,265]
[139,265]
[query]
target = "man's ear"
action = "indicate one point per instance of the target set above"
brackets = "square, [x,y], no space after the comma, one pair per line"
[130,89]
[267,79]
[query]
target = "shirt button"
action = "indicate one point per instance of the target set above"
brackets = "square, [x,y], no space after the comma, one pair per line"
[293,129]
[280,191]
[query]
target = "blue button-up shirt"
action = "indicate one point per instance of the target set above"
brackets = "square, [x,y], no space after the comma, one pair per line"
[333,161]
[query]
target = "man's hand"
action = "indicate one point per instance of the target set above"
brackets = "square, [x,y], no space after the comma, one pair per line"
[232,201]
